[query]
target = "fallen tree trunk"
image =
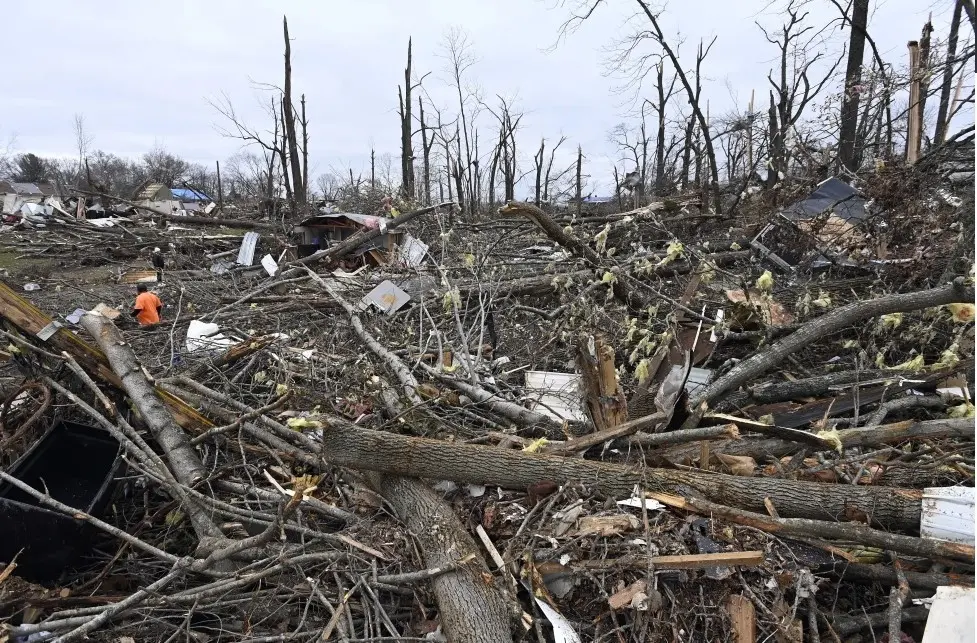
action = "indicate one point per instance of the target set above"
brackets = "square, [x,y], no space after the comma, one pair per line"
[182,457]
[850,438]
[472,603]
[803,528]
[832,322]
[347,445]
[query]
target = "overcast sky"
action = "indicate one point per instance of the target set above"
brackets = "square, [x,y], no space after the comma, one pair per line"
[142,72]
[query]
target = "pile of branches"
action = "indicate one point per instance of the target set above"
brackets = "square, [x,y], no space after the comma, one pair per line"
[330,471]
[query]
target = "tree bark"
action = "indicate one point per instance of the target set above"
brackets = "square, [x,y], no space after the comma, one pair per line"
[832,322]
[186,465]
[853,76]
[471,602]
[347,445]
[850,438]
[848,531]
[942,120]
[289,118]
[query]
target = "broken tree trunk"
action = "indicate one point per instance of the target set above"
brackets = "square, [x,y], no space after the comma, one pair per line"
[347,445]
[181,456]
[832,322]
[471,602]
[603,397]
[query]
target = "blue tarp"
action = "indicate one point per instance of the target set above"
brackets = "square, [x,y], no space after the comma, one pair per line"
[186,194]
[598,199]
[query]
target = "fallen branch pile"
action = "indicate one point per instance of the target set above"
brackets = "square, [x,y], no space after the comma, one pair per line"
[738,449]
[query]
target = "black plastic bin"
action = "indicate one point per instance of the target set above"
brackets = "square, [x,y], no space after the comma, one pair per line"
[77,464]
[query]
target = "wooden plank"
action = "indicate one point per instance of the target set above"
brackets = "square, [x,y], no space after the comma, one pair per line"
[742,617]
[684,561]
[700,561]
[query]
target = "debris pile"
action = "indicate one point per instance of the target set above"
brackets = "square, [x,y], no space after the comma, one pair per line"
[655,425]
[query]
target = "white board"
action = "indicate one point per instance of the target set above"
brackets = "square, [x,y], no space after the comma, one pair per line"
[556,395]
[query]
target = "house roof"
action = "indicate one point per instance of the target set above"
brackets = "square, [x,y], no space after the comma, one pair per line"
[149,191]
[834,195]
[189,194]
[23,189]
[365,220]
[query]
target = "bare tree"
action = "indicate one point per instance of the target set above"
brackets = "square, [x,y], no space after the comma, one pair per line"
[942,122]
[847,157]
[793,88]
[83,140]
[288,119]
[538,159]
[427,143]
[506,146]
[460,58]
[404,104]
[550,178]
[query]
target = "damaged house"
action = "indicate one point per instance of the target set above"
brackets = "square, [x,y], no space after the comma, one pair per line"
[156,196]
[324,230]
[820,230]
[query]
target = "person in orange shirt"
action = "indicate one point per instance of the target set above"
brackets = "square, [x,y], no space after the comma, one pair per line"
[148,306]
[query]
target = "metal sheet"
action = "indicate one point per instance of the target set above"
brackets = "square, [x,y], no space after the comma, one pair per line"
[245,256]
[951,618]
[412,251]
[387,297]
[270,265]
[948,514]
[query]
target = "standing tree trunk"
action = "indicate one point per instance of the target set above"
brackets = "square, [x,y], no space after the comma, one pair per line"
[305,153]
[289,118]
[426,149]
[687,154]
[538,162]
[220,188]
[406,144]
[942,120]
[660,140]
[579,180]
[853,76]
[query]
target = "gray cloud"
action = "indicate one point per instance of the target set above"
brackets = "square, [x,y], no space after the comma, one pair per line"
[142,72]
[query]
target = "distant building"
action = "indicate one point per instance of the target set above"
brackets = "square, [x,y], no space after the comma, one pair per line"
[158,197]
[17,195]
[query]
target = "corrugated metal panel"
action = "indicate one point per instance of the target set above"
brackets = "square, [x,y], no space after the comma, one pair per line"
[951,618]
[557,394]
[948,514]
[245,256]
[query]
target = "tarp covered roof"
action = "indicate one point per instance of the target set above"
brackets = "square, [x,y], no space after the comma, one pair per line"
[188,194]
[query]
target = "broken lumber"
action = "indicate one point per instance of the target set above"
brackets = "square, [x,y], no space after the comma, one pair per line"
[345,444]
